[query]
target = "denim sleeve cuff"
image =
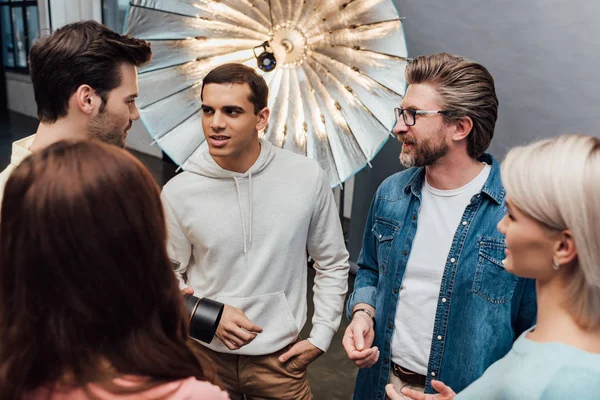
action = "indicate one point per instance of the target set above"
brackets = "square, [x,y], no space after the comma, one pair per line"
[320,336]
[366,295]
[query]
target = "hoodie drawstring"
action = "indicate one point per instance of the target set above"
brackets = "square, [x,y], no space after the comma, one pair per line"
[250,209]
[247,235]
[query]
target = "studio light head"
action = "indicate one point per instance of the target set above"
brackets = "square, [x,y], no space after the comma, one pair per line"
[266,60]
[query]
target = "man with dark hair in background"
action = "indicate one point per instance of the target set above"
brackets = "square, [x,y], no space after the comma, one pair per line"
[242,220]
[85,83]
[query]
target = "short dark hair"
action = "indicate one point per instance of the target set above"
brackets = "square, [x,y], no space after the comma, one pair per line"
[81,53]
[85,276]
[466,88]
[240,73]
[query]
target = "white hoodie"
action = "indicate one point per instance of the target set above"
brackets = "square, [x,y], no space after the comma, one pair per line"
[242,239]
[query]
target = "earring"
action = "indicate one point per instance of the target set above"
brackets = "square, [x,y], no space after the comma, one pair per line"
[555,265]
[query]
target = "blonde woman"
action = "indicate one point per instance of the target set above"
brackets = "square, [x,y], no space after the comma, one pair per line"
[552,234]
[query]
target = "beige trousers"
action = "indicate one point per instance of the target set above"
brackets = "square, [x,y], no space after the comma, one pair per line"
[259,377]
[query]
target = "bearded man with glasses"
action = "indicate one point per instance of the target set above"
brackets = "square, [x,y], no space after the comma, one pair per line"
[431,298]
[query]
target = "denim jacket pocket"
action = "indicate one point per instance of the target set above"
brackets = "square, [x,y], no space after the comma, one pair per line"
[492,282]
[384,233]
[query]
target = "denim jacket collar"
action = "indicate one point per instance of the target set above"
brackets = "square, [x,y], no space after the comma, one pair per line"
[492,187]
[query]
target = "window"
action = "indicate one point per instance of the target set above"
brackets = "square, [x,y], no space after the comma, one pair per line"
[20,27]
[113,14]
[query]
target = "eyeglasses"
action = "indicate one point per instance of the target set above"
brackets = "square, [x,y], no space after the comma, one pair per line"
[410,116]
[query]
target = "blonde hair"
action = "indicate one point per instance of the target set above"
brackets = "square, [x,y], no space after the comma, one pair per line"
[466,89]
[557,182]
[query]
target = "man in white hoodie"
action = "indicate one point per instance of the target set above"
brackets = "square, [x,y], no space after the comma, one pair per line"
[242,220]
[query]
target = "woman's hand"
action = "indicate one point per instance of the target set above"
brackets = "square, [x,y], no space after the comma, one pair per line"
[445,392]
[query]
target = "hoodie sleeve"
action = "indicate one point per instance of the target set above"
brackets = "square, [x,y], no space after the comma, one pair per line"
[178,246]
[326,246]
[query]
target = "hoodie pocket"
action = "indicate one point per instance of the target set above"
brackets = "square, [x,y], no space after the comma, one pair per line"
[273,314]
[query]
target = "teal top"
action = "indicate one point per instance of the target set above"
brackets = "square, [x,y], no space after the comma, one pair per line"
[532,370]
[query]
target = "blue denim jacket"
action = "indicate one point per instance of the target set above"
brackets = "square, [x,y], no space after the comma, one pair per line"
[481,308]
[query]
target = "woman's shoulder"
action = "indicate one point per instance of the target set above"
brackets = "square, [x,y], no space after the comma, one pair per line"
[575,382]
[184,389]
[193,389]
[549,371]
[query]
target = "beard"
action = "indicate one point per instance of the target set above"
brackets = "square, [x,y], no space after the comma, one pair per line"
[101,127]
[425,153]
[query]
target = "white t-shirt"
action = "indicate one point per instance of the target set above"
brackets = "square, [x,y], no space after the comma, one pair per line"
[439,216]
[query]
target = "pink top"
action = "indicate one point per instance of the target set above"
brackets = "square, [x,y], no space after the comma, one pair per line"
[185,389]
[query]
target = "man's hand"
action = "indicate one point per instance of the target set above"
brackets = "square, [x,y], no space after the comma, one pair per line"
[235,329]
[304,352]
[187,290]
[358,339]
[445,392]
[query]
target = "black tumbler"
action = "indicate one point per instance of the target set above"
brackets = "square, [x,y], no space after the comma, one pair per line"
[204,317]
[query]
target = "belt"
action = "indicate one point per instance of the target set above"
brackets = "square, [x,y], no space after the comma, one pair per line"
[407,376]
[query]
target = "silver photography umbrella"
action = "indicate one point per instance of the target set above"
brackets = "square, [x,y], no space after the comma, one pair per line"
[335,70]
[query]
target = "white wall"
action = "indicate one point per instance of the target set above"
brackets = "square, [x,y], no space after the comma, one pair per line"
[348,194]
[67,11]
[20,94]
[543,54]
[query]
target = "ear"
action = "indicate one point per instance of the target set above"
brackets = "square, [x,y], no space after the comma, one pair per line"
[565,251]
[463,126]
[86,99]
[263,118]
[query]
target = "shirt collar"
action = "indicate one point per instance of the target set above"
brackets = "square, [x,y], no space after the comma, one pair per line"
[20,150]
[492,187]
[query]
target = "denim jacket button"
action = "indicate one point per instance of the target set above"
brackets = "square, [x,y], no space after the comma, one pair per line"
[395,290]
[404,253]
[385,360]
[443,300]
[439,338]
[389,325]
[433,374]
[378,395]
[453,260]
[464,223]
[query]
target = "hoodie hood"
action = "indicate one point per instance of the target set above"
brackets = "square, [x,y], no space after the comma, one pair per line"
[203,164]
